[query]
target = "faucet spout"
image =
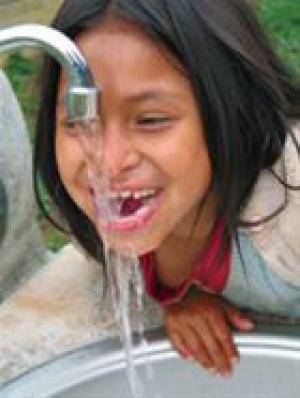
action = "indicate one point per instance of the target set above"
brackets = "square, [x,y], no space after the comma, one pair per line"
[82,94]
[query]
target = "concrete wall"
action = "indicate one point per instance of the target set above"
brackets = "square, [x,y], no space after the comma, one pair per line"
[21,247]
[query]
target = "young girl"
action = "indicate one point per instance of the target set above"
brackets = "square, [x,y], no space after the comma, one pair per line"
[198,130]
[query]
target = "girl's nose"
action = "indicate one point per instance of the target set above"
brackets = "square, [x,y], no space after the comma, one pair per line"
[119,153]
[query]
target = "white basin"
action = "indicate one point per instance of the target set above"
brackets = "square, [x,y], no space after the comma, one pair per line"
[269,368]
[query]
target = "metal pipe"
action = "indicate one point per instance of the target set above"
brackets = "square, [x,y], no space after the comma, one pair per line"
[82,94]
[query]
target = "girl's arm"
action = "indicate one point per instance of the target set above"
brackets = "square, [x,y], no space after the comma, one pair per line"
[199,328]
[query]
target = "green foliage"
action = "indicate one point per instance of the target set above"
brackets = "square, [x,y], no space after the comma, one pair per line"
[22,71]
[19,66]
[282,19]
[55,239]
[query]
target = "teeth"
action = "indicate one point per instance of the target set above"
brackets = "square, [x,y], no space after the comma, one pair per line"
[138,195]
[125,194]
[144,193]
[113,195]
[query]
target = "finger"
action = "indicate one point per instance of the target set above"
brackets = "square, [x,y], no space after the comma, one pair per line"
[197,349]
[180,346]
[237,318]
[225,338]
[213,347]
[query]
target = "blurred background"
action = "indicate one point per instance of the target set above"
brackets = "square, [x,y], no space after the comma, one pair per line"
[22,69]
[281,18]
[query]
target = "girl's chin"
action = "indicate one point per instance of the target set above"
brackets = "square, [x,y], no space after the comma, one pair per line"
[138,247]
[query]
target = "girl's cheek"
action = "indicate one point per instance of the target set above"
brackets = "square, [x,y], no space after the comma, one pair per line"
[68,155]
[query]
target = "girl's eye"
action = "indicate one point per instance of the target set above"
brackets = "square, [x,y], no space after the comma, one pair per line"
[70,124]
[78,127]
[72,127]
[153,121]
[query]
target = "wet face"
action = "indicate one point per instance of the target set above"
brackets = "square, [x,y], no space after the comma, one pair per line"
[152,141]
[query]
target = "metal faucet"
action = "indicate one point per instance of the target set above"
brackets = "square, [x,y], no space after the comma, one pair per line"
[82,94]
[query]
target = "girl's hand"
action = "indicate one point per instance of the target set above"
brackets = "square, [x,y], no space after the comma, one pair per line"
[199,328]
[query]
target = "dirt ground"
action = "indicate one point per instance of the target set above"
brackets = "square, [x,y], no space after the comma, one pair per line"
[27,11]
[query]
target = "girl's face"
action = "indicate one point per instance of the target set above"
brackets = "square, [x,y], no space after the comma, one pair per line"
[152,140]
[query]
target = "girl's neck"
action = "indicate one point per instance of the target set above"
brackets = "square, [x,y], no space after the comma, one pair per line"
[175,259]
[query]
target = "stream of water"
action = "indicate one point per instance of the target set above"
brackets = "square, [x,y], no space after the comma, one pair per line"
[123,269]
[126,289]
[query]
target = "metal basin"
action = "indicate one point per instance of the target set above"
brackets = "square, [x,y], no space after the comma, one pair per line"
[269,368]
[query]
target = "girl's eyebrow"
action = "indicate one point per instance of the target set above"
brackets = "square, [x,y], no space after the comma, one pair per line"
[150,95]
[147,95]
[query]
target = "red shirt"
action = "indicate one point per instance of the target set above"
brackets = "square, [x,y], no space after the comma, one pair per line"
[210,272]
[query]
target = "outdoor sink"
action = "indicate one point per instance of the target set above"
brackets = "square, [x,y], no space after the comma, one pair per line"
[269,368]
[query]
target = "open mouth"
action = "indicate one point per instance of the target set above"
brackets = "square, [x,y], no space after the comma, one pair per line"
[125,211]
[129,205]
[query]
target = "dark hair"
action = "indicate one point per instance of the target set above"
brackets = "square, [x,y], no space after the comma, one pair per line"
[246,95]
